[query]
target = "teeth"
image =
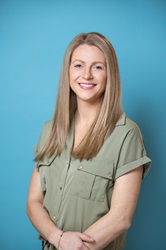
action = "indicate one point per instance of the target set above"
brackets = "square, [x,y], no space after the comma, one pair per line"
[87,85]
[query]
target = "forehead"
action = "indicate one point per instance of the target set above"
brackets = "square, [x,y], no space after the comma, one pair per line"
[88,52]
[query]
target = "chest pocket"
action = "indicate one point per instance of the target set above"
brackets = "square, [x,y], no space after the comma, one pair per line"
[92,180]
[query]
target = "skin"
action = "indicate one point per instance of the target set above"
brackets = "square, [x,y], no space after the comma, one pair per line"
[88,81]
[88,74]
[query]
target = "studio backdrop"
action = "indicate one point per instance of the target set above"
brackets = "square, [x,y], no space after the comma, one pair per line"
[34,35]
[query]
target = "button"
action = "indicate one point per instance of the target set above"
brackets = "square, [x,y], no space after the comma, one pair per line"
[109,175]
[81,167]
[60,188]
[54,217]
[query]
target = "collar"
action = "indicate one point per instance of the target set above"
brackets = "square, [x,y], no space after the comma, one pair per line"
[122,120]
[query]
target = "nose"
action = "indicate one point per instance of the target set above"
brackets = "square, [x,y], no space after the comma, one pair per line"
[87,73]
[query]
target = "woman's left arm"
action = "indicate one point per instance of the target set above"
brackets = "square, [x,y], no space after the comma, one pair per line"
[118,219]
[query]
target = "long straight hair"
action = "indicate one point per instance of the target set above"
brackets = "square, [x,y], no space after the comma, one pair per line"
[66,104]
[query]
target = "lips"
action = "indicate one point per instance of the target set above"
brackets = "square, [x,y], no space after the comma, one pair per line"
[87,86]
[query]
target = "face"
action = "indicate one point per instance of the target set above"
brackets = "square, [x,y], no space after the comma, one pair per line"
[88,74]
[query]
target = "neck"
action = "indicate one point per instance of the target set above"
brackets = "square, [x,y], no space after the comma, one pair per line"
[86,113]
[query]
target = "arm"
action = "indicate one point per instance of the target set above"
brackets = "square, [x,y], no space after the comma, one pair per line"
[42,222]
[118,219]
[37,214]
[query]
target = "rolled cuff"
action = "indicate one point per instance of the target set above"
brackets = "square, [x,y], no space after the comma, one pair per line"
[144,161]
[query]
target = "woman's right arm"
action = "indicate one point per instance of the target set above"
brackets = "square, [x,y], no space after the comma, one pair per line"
[42,222]
[37,214]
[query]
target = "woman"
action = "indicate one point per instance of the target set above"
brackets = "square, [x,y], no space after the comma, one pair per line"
[90,158]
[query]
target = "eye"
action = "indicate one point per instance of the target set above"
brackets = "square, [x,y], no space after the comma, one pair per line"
[98,67]
[78,65]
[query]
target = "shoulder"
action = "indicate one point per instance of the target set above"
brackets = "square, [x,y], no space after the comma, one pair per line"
[126,128]
[47,126]
[126,124]
[44,134]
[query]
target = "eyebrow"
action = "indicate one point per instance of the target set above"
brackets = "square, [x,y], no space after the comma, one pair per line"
[95,62]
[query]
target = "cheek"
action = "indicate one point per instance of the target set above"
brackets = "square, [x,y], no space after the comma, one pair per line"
[72,79]
[73,75]
[103,79]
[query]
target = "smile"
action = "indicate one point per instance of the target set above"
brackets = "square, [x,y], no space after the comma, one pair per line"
[87,85]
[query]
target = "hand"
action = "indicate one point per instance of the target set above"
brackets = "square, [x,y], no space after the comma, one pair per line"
[74,241]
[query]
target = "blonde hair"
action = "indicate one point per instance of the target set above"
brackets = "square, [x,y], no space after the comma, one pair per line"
[66,105]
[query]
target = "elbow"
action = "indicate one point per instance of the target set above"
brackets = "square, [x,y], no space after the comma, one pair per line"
[122,224]
[29,208]
[125,224]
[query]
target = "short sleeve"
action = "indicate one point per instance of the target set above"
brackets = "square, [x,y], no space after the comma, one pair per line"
[132,153]
[37,148]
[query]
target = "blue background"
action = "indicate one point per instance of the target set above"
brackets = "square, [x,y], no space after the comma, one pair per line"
[34,35]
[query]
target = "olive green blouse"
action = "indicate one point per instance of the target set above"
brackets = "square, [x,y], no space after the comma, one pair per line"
[78,193]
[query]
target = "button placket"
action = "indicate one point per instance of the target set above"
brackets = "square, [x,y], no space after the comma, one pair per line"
[62,184]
